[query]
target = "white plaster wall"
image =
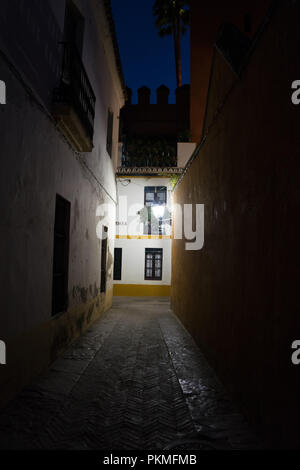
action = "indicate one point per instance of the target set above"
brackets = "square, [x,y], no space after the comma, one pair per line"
[36,164]
[133,250]
[131,201]
[30,32]
[97,49]
[133,261]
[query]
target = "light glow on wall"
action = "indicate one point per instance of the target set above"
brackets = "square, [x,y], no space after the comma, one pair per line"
[158,211]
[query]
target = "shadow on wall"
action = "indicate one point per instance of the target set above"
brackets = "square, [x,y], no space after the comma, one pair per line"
[239,295]
[31,26]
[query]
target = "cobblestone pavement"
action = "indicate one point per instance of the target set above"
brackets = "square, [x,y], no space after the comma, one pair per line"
[135,380]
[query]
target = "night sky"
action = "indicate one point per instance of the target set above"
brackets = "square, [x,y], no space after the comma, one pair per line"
[147,59]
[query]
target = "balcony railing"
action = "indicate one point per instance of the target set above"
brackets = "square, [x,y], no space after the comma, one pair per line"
[141,153]
[74,100]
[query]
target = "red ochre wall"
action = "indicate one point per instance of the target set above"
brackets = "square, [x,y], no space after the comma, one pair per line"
[239,295]
[206,18]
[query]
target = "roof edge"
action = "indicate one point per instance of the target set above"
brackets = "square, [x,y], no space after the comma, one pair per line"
[111,22]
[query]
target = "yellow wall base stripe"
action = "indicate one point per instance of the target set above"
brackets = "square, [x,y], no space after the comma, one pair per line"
[143,237]
[141,290]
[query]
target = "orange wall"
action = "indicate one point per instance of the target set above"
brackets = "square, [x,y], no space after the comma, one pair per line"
[239,295]
[206,18]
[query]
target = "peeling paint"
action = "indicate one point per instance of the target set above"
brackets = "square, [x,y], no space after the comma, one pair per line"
[96,290]
[84,294]
[81,293]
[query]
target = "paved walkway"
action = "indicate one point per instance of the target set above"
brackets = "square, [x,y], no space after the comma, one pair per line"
[135,380]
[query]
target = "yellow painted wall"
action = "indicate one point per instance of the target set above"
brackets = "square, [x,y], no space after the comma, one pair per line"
[143,237]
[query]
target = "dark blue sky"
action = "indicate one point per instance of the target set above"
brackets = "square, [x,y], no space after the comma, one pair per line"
[147,59]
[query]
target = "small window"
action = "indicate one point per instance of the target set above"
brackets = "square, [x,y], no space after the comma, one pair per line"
[103,259]
[155,195]
[110,124]
[118,264]
[61,256]
[149,197]
[153,264]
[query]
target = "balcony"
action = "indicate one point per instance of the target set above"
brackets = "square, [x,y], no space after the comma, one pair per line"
[153,157]
[74,101]
[147,156]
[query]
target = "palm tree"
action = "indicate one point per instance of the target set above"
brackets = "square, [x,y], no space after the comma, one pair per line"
[172,18]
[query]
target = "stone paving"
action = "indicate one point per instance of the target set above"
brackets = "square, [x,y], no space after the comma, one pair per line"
[135,380]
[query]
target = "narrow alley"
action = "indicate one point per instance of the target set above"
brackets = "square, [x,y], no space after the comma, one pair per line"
[149,242]
[135,380]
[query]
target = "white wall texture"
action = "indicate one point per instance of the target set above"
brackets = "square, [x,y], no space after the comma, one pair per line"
[37,163]
[133,262]
[131,200]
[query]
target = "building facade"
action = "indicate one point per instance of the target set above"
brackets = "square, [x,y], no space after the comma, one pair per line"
[143,236]
[59,149]
[155,146]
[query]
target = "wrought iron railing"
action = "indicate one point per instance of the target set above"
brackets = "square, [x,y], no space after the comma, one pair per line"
[75,88]
[140,153]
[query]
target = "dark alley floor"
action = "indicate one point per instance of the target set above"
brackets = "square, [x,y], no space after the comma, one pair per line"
[135,380]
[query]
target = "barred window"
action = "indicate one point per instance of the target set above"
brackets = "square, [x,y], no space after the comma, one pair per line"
[153,264]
